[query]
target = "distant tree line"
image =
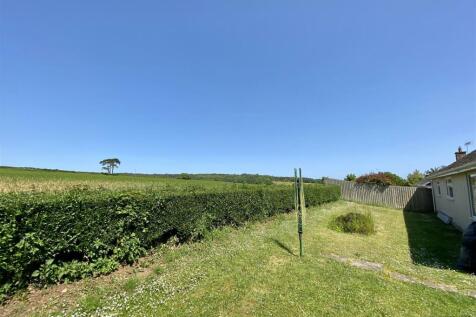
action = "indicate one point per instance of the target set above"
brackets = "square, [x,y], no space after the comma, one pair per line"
[389,178]
[231,178]
[240,178]
[291,179]
[110,164]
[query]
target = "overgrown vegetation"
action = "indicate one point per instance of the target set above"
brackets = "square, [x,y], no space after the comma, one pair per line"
[62,236]
[353,222]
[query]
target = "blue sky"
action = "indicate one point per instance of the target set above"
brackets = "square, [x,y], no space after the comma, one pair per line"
[237,86]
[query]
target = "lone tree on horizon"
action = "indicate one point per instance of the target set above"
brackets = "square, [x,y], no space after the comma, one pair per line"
[110,164]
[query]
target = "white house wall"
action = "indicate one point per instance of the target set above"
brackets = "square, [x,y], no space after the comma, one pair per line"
[458,208]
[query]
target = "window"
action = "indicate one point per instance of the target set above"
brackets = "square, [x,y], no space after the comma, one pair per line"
[449,189]
[438,188]
[472,194]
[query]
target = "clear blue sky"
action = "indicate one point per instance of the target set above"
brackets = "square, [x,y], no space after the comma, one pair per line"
[237,86]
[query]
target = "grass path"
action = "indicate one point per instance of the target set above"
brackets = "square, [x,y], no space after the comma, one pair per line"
[254,271]
[378,267]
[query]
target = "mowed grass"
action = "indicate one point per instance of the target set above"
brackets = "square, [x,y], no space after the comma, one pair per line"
[255,271]
[19,179]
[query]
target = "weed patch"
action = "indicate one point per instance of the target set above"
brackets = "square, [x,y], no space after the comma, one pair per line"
[353,222]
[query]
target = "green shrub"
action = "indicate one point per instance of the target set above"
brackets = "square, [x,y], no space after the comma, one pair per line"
[184,176]
[382,178]
[415,177]
[350,177]
[354,222]
[63,236]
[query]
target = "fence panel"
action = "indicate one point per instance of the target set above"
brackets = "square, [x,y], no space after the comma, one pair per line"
[402,197]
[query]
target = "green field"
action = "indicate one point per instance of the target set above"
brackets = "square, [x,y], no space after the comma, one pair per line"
[255,271]
[23,179]
[14,179]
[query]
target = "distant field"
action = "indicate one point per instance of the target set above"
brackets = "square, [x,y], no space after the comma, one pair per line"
[13,179]
[22,179]
[59,226]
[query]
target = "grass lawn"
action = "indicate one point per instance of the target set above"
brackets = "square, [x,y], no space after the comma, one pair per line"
[255,271]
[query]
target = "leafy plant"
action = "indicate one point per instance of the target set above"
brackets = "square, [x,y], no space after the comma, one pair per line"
[128,249]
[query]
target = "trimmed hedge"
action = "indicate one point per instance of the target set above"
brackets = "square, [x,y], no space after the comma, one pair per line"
[49,238]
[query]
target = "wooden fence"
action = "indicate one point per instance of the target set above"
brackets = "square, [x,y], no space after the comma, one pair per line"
[402,197]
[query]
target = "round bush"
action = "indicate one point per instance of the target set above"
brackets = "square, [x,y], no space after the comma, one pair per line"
[354,222]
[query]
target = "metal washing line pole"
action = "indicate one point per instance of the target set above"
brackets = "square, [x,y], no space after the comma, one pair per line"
[299,205]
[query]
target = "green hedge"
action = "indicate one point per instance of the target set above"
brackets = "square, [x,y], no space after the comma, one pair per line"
[48,238]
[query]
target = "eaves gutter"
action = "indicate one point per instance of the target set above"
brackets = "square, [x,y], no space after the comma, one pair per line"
[457,170]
